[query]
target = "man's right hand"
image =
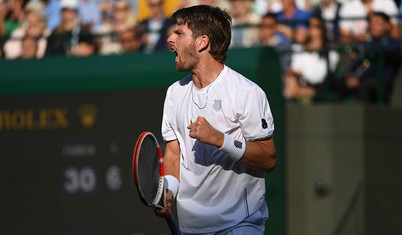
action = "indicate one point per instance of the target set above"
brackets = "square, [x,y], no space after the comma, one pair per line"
[166,212]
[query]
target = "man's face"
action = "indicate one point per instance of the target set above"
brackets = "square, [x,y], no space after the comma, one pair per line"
[129,41]
[121,10]
[68,14]
[29,47]
[268,28]
[286,4]
[378,26]
[156,7]
[181,41]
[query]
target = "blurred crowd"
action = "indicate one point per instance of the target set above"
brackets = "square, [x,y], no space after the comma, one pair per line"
[351,46]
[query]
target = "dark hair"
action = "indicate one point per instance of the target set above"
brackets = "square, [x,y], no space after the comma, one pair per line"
[271,15]
[381,14]
[322,27]
[210,21]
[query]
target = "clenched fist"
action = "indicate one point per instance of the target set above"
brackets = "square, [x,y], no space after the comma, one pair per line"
[201,130]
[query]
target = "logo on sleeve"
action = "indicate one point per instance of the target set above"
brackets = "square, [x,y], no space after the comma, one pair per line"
[264,124]
[238,144]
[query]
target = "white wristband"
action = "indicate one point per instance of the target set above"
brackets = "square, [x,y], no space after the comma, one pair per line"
[234,148]
[172,183]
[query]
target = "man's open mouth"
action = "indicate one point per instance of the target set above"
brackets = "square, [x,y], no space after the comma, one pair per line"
[177,55]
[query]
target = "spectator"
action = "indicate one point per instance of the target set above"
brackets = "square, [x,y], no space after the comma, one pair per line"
[308,69]
[244,22]
[108,43]
[329,11]
[29,48]
[155,27]
[11,15]
[106,11]
[362,77]
[294,22]
[64,39]
[269,35]
[117,18]
[89,14]
[355,30]
[33,25]
[123,19]
[86,46]
[53,13]
[131,40]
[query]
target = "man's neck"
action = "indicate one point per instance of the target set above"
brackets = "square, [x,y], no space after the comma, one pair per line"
[206,73]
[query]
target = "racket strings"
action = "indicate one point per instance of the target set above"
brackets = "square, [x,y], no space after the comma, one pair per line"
[148,169]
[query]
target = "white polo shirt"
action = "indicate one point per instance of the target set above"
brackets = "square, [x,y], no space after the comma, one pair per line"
[215,191]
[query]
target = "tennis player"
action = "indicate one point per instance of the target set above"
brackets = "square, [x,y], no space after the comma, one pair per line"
[219,132]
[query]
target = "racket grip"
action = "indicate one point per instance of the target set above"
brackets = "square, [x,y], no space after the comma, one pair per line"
[174,229]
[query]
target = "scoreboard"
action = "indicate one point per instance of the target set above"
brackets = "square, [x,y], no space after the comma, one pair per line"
[66,162]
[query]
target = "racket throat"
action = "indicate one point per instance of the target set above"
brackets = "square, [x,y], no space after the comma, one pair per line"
[161,194]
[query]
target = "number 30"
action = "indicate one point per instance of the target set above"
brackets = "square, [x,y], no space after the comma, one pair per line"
[76,180]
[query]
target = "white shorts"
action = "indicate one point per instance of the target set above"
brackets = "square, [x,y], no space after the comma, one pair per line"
[254,224]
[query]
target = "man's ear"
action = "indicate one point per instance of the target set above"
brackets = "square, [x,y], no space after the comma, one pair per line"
[202,43]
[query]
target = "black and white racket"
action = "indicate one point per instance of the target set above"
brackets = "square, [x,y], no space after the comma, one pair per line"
[149,176]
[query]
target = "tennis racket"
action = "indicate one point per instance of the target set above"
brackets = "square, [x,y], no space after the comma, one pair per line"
[149,176]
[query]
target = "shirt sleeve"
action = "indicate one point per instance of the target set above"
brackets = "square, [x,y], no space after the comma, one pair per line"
[255,114]
[167,130]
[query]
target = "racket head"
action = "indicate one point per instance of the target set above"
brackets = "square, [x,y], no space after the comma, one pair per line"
[148,170]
